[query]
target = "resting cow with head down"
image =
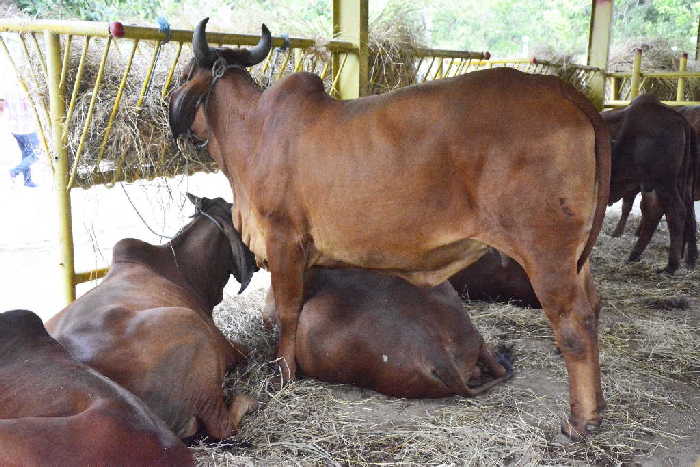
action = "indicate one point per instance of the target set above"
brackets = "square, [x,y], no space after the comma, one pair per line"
[654,152]
[148,325]
[57,411]
[380,332]
[413,183]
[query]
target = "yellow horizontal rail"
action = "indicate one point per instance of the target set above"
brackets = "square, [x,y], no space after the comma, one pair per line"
[87,276]
[658,74]
[421,52]
[101,29]
[531,61]
[621,103]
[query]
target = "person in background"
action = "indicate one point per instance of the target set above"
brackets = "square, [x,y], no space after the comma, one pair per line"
[21,124]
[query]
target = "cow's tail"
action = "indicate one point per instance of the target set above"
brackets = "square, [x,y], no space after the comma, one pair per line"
[603,163]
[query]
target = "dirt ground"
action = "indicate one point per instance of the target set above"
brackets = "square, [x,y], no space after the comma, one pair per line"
[650,360]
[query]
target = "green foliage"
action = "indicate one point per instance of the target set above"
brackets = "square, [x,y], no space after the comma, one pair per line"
[92,10]
[673,20]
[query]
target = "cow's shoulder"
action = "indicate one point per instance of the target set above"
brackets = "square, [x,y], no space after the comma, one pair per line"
[132,250]
[295,87]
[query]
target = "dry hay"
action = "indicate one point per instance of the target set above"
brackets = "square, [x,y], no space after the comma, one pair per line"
[657,55]
[393,41]
[651,379]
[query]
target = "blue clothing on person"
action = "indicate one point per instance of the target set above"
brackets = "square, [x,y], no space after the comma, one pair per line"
[28,144]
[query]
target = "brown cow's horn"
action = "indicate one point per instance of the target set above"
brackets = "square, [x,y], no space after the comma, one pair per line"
[200,47]
[260,51]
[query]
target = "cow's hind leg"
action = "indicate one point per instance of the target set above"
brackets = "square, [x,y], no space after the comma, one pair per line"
[676,213]
[652,211]
[627,203]
[690,236]
[566,297]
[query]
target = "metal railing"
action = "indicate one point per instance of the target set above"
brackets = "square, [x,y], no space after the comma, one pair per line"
[672,87]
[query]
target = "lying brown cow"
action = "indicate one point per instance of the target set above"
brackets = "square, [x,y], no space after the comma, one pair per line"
[495,277]
[56,411]
[650,202]
[148,325]
[380,332]
[413,183]
[655,152]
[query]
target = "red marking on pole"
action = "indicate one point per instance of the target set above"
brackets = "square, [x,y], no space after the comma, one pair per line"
[116,29]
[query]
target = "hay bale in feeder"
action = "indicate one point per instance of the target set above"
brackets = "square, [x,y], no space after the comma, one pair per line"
[393,43]
[657,55]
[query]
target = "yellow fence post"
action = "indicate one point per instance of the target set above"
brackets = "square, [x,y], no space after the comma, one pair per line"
[614,88]
[680,89]
[599,47]
[636,79]
[66,267]
[350,19]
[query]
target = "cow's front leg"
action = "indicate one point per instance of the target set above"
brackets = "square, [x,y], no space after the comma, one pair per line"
[287,262]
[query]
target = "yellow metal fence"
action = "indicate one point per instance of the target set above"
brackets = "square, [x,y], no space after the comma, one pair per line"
[680,87]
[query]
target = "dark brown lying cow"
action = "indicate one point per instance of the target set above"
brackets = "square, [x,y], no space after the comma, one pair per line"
[56,411]
[495,277]
[413,183]
[148,325]
[655,151]
[380,332]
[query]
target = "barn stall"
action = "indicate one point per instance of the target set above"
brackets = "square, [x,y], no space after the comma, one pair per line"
[102,116]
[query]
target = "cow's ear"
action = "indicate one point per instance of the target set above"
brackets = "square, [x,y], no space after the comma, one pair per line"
[184,102]
[244,265]
[197,201]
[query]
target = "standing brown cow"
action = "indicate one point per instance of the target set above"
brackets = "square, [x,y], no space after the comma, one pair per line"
[412,183]
[655,152]
[148,325]
[55,411]
[614,120]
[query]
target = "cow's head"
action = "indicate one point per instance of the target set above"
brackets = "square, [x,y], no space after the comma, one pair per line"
[205,69]
[218,212]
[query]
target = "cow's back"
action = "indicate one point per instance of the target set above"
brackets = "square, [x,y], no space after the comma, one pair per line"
[55,410]
[143,331]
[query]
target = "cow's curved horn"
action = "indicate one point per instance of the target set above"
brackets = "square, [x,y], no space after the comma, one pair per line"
[260,51]
[200,47]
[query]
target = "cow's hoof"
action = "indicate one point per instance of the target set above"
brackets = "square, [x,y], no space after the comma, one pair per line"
[578,431]
[667,270]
